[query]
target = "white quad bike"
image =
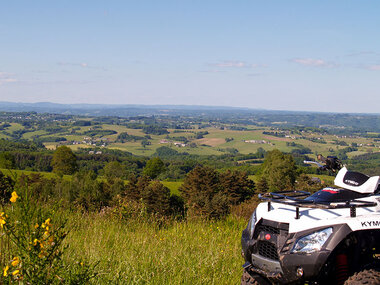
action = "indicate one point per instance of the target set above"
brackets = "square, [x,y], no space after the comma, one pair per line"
[330,237]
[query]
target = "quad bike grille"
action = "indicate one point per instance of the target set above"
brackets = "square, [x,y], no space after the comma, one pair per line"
[267,229]
[268,250]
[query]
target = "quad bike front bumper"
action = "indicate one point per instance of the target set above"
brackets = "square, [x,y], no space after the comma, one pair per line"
[269,254]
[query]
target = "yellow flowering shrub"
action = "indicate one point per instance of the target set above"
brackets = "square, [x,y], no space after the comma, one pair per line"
[35,246]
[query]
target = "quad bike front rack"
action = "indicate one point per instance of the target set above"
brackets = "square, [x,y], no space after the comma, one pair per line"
[293,198]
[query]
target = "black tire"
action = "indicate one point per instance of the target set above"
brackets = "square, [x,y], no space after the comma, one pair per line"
[253,279]
[369,276]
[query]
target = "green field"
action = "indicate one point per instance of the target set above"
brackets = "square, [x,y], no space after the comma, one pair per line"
[30,135]
[141,252]
[18,173]
[173,186]
[4,136]
[15,127]
[213,143]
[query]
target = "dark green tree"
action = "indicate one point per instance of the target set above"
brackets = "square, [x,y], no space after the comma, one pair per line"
[150,195]
[260,153]
[156,198]
[262,185]
[41,188]
[132,191]
[116,188]
[145,142]
[203,193]
[154,167]
[306,183]
[64,161]
[165,151]
[279,170]
[114,169]
[237,186]
[89,193]
[7,160]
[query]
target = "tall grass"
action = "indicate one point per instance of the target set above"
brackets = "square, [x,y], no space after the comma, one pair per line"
[141,252]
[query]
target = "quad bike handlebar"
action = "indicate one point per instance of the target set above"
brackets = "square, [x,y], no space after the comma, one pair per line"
[331,163]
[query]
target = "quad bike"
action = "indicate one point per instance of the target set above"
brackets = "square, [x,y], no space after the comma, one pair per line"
[329,237]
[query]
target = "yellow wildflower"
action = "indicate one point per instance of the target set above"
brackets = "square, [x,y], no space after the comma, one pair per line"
[35,242]
[46,224]
[15,272]
[36,226]
[2,219]
[14,197]
[15,261]
[5,274]
[2,222]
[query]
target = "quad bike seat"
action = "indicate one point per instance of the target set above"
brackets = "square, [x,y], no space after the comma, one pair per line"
[356,181]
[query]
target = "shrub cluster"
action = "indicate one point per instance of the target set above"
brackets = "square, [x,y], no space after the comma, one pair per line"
[211,194]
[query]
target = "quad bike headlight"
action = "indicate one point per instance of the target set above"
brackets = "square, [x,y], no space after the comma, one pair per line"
[312,242]
[251,224]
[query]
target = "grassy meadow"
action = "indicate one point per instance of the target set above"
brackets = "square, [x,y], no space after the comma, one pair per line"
[17,173]
[142,252]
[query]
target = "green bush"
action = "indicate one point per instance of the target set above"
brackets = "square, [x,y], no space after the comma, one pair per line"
[210,194]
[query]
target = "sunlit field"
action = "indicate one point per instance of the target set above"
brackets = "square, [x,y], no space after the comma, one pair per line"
[142,252]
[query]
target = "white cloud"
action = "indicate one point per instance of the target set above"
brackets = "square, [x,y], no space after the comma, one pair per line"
[83,65]
[361,53]
[374,67]
[311,62]
[236,64]
[231,64]
[9,80]
[6,78]
[213,70]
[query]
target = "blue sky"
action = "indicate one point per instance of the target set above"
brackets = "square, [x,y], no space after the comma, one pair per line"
[280,55]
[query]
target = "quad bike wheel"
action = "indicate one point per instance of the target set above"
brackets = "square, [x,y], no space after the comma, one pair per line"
[253,279]
[368,276]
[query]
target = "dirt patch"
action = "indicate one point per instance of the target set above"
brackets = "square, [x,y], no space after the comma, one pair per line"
[211,141]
